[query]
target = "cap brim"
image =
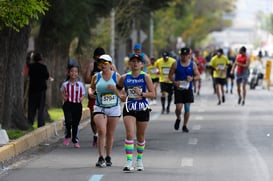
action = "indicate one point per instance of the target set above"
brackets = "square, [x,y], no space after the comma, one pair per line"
[103,60]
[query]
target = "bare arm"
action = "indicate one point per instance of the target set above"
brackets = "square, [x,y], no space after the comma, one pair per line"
[150,87]
[119,88]
[118,92]
[87,73]
[172,71]
[234,65]
[92,88]
[64,97]
[147,60]
[196,74]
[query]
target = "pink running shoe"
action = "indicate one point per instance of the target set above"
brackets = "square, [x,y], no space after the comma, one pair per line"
[66,141]
[77,145]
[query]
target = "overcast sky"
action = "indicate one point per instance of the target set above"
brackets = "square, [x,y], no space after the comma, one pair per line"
[247,10]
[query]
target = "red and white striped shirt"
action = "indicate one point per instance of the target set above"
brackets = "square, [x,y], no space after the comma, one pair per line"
[73,91]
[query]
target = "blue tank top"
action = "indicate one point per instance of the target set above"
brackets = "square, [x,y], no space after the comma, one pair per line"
[106,97]
[182,72]
[135,102]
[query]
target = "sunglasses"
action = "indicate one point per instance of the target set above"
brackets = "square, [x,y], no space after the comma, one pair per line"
[103,63]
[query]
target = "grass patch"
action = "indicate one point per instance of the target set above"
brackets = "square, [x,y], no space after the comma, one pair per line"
[56,114]
[14,134]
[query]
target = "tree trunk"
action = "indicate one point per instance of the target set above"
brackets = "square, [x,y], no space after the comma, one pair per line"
[56,61]
[12,58]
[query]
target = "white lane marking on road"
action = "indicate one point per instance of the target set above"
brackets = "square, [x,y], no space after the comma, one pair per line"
[196,127]
[199,118]
[95,178]
[186,162]
[193,141]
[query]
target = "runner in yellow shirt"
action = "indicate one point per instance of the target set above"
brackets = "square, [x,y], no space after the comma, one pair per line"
[166,86]
[153,71]
[219,63]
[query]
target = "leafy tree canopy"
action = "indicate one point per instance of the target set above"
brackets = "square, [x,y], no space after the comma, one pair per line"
[191,20]
[16,14]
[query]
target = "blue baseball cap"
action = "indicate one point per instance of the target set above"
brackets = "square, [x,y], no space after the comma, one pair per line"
[137,46]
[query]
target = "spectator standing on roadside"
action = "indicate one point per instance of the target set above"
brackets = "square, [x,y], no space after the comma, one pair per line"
[182,73]
[92,69]
[242,63]
[166,85]
[219,63]
[136,112]
[106,109]
[38,75]
[73,92]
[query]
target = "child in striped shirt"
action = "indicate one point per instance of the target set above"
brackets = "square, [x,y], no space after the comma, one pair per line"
[73,92]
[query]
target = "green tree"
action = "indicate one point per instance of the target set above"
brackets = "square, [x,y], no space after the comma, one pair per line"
[65,21]
[191,20]
[15,17]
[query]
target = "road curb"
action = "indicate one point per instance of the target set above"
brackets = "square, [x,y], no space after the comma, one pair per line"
[34,138]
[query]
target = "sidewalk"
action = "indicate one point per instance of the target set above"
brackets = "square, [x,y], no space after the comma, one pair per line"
[34,138]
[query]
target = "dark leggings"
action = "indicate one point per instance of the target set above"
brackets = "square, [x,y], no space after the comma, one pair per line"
[72,116]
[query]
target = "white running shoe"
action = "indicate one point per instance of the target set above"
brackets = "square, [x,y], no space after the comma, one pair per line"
[129,166]
[139,165]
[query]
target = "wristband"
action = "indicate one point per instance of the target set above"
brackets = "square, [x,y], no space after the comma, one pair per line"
[118,87]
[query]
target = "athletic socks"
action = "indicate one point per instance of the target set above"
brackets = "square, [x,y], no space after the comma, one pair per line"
[129,149]
[140,149]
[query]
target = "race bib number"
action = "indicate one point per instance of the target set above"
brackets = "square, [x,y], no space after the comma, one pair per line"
[108,100]
[221,67]
[154,70]
[184,85]
[165,70]
[132,93]
[221,70]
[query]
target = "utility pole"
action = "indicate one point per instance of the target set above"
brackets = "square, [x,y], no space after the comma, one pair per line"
[151,34]
[112,46]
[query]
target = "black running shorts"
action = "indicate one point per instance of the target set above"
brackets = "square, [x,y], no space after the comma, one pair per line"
[139,115]
[183,96]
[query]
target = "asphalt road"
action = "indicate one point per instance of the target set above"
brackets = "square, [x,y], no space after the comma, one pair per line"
[229,142]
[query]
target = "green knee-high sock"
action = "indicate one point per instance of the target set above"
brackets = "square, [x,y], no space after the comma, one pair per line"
[140,149]
[129,149]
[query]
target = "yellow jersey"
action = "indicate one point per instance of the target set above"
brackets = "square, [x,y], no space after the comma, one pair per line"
[164,67]
[153,71]
[220,65]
